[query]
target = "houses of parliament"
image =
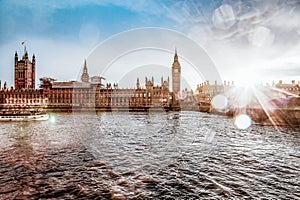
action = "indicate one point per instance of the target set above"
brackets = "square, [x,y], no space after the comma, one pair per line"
[89,93]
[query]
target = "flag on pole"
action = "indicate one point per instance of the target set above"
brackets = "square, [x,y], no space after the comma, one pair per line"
[24,44]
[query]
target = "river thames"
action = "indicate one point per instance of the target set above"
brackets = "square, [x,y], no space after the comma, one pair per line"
[175,155]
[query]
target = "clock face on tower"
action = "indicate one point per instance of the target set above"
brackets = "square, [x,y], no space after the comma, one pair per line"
[176,70]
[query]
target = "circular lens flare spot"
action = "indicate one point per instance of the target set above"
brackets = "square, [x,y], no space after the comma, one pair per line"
[242,121]
[223,17]
[220,102]
[261,36]
[52,119]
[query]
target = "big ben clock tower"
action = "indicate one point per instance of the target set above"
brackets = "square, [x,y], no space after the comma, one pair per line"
[176,72]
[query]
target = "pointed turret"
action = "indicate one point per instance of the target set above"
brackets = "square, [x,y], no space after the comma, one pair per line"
[85,67]
[24,71]
[16,58]
[26,55]
[176,56]
[137,83]
[17,74]
[85,76]
[33,71]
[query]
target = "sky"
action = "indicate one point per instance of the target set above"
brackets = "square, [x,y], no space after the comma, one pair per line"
[246,41]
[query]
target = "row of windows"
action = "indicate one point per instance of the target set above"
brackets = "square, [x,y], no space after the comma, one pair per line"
[21,96]
[21,75]
[118,101]
[58,101]
[103,93]
[291,89]
[62,98]
[27,101]
[67,101]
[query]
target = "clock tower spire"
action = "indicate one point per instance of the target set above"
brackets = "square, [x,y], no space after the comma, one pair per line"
[176,73]
[85,76]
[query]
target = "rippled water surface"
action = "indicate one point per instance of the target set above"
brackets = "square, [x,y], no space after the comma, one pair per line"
[176,155]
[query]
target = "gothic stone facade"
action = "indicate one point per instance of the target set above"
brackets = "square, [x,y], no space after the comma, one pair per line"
[21,98]
[24,72]
[89,93]
[292,88]
[176,73]
[24,94]
[77,96]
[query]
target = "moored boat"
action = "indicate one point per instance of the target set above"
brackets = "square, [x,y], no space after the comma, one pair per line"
[22,115]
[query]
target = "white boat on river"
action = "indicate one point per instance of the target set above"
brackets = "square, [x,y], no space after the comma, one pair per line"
[22,115]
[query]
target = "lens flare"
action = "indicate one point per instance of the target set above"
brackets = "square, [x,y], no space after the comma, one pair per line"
[261,36]
[220,102]
[52,119]
[210,136]
[223,17]
[242,121]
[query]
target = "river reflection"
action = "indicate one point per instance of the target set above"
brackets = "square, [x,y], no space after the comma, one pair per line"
[185,155]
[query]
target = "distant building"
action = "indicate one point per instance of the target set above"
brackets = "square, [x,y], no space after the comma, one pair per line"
[85,76]
[206,91]
[176,73]
[22,98]
[89,93]
[293,87]
[24,72]
[24,94]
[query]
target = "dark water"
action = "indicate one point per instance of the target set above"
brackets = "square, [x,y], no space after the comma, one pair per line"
[183,155]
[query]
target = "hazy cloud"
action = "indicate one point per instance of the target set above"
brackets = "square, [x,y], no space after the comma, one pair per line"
[243,38]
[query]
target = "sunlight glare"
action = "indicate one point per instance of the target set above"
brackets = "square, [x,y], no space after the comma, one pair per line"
[247,77]
[219,102]
[242,121]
